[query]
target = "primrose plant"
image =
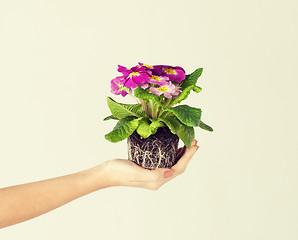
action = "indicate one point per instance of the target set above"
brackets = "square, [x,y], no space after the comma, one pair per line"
[157,89]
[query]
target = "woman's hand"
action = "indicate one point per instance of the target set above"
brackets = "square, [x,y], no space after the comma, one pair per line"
[121,172]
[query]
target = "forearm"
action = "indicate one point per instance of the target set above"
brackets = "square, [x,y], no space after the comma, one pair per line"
[22,202]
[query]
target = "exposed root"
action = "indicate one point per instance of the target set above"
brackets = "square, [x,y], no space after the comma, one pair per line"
[158,150]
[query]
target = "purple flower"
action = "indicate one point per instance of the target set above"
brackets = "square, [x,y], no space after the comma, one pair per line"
[175,74]
[117,86]
[168,90]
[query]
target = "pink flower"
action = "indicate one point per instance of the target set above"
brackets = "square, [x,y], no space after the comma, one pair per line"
[177,91]
[117,86]
[160,80]
[168,90]
[144,85]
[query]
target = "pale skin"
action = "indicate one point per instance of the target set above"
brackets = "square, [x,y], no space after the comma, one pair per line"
[23,202]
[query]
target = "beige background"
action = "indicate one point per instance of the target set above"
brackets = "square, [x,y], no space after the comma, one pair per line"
[57,59]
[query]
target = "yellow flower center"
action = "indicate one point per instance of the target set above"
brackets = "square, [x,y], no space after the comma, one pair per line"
[163,89]
[169,70]
[148,66]
[155,78]
[134,74]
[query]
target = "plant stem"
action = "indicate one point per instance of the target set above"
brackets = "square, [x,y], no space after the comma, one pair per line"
[145,107]
[159,111]
[168,101]
[153,111]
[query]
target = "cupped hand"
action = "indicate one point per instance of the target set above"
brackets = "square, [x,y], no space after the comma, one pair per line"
[122,172]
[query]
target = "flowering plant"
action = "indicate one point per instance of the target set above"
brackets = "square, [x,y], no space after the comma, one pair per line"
[156,89]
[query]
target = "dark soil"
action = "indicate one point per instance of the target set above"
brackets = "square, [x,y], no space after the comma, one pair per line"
[157,151]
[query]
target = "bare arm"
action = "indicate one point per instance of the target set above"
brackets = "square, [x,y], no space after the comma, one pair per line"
[23,202]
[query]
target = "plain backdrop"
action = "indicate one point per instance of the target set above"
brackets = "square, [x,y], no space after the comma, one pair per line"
[56,62]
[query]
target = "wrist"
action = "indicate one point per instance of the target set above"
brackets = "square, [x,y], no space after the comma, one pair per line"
[96,178]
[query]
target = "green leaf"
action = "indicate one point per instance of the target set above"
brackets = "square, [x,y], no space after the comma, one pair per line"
[189,116]
[120,110]
[186,134]
[142,94]
[205,126]
[188,84]
[172,122]
[191,79]
[184,94]
[144,128]
[155,125]
[110,117]
[123,129]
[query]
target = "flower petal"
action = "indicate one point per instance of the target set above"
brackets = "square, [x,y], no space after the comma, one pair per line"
[155,91]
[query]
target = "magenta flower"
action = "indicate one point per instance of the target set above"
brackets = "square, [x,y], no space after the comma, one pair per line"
[124,70]
[134,76]
[142,68]
[117,86]
[167,90]
[175,74]
[135,79]
[148,67]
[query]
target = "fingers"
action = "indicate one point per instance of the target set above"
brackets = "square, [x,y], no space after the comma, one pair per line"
[181,165]
[168,173]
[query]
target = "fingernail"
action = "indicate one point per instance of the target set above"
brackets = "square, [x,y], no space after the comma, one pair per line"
[168,174]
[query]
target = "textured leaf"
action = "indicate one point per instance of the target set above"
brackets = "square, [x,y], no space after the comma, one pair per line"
[123,129]
[191,79]
[155,125]
[186,134]
[110,117]
[172,122]
[189,116]
[184,94]
[205,126]
[188,84]
[144,129]
[142,94]
[120,110]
